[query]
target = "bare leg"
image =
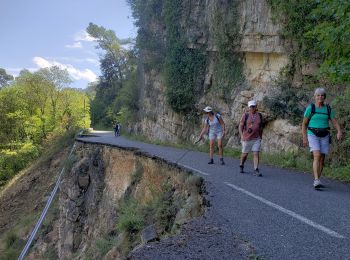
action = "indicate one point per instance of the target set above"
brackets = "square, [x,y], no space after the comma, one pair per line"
[316,164]
[321,164]
[221,153]
[243,158]
[211,148]
[256,159]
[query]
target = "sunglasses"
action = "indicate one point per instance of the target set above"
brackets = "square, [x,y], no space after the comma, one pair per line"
[252,106]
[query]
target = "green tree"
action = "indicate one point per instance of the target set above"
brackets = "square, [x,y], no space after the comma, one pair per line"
[116,66]
[56,79]
[4,78]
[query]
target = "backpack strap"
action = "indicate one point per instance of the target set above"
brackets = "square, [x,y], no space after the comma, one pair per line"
[246,118]
[329,110]
[217,115]
[246,115]
[261,120]
[313,111]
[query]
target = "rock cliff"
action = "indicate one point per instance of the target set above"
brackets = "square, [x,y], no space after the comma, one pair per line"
[263,54]
[94,195]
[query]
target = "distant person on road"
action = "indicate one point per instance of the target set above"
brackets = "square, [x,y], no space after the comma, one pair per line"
[315,131]
[116,129]
[119,129]
[251,130]
[214,126]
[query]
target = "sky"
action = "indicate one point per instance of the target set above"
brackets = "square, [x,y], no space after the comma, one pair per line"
[41,33]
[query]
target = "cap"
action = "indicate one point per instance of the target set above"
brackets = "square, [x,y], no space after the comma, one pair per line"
[251,103]
[207,109]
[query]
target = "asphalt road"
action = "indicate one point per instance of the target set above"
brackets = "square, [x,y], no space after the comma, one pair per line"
[280,213]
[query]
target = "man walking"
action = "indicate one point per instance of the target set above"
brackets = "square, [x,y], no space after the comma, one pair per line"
[250,130]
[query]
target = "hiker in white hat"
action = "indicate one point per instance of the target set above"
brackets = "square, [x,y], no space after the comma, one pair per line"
[215,127]
[250,130]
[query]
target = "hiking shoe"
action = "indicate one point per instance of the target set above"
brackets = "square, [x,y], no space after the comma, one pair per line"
[317,184]
[211,161]
[222,161]
[257,172]
[241,167]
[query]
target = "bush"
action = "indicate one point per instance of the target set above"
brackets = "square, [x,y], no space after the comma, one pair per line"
[130,217]
[286,102]
[13,161]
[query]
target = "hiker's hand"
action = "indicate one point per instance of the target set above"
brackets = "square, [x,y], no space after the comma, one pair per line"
[305,142]
[198,140]
[223,134]
[339,135]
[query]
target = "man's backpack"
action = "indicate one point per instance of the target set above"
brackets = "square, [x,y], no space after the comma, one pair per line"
[313,111]
[246,118]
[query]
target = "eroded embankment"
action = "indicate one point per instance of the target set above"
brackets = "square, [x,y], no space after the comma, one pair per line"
[112,200]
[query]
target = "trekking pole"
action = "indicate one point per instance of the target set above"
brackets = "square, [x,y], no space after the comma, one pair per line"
[186,151]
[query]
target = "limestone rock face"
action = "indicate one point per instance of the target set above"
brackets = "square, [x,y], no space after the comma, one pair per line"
[264,54]
[101,179]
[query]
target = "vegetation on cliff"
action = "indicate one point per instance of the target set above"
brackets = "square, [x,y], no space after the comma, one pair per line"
[320,31]
[168,48]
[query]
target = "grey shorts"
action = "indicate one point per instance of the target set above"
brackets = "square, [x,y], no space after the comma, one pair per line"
[318,143]
[251,146]
[215,135]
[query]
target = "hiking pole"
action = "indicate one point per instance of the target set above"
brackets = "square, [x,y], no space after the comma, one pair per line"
[187,151]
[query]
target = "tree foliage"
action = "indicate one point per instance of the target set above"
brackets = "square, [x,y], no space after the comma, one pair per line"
[118,68]
[321,29]
[4,78]
[33,107]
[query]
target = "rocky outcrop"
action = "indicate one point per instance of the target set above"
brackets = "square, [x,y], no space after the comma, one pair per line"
[263,53]
[99,182]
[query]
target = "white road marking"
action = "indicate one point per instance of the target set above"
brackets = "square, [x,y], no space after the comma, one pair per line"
[193,169]
[288,212]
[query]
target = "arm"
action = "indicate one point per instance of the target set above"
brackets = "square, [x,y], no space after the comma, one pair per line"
[240,127]
[204,130]
[337,126]
[261,128]
[222,123]
[261,132]
[303,130]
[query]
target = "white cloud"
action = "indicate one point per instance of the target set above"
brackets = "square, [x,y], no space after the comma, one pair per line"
[75,45]
[94,61]
[83,36]
[15,71]
[75,73]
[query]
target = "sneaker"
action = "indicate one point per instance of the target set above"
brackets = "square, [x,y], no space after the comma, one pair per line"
[257,172]
[317,184]
[222,161]
[241,169]
[211,161]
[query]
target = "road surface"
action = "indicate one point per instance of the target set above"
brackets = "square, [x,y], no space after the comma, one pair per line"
[280,213]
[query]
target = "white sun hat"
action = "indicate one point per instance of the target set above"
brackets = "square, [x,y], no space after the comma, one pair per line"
[207,109]
[251,103]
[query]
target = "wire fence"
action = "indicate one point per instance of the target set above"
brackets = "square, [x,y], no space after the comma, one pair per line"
[47,206]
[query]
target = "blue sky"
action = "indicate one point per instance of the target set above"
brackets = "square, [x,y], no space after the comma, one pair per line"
[41,33]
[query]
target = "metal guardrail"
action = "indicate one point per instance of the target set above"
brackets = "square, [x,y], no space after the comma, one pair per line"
[48,204]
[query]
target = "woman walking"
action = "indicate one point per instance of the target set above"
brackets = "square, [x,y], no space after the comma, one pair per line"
[215,127]
[315,131]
